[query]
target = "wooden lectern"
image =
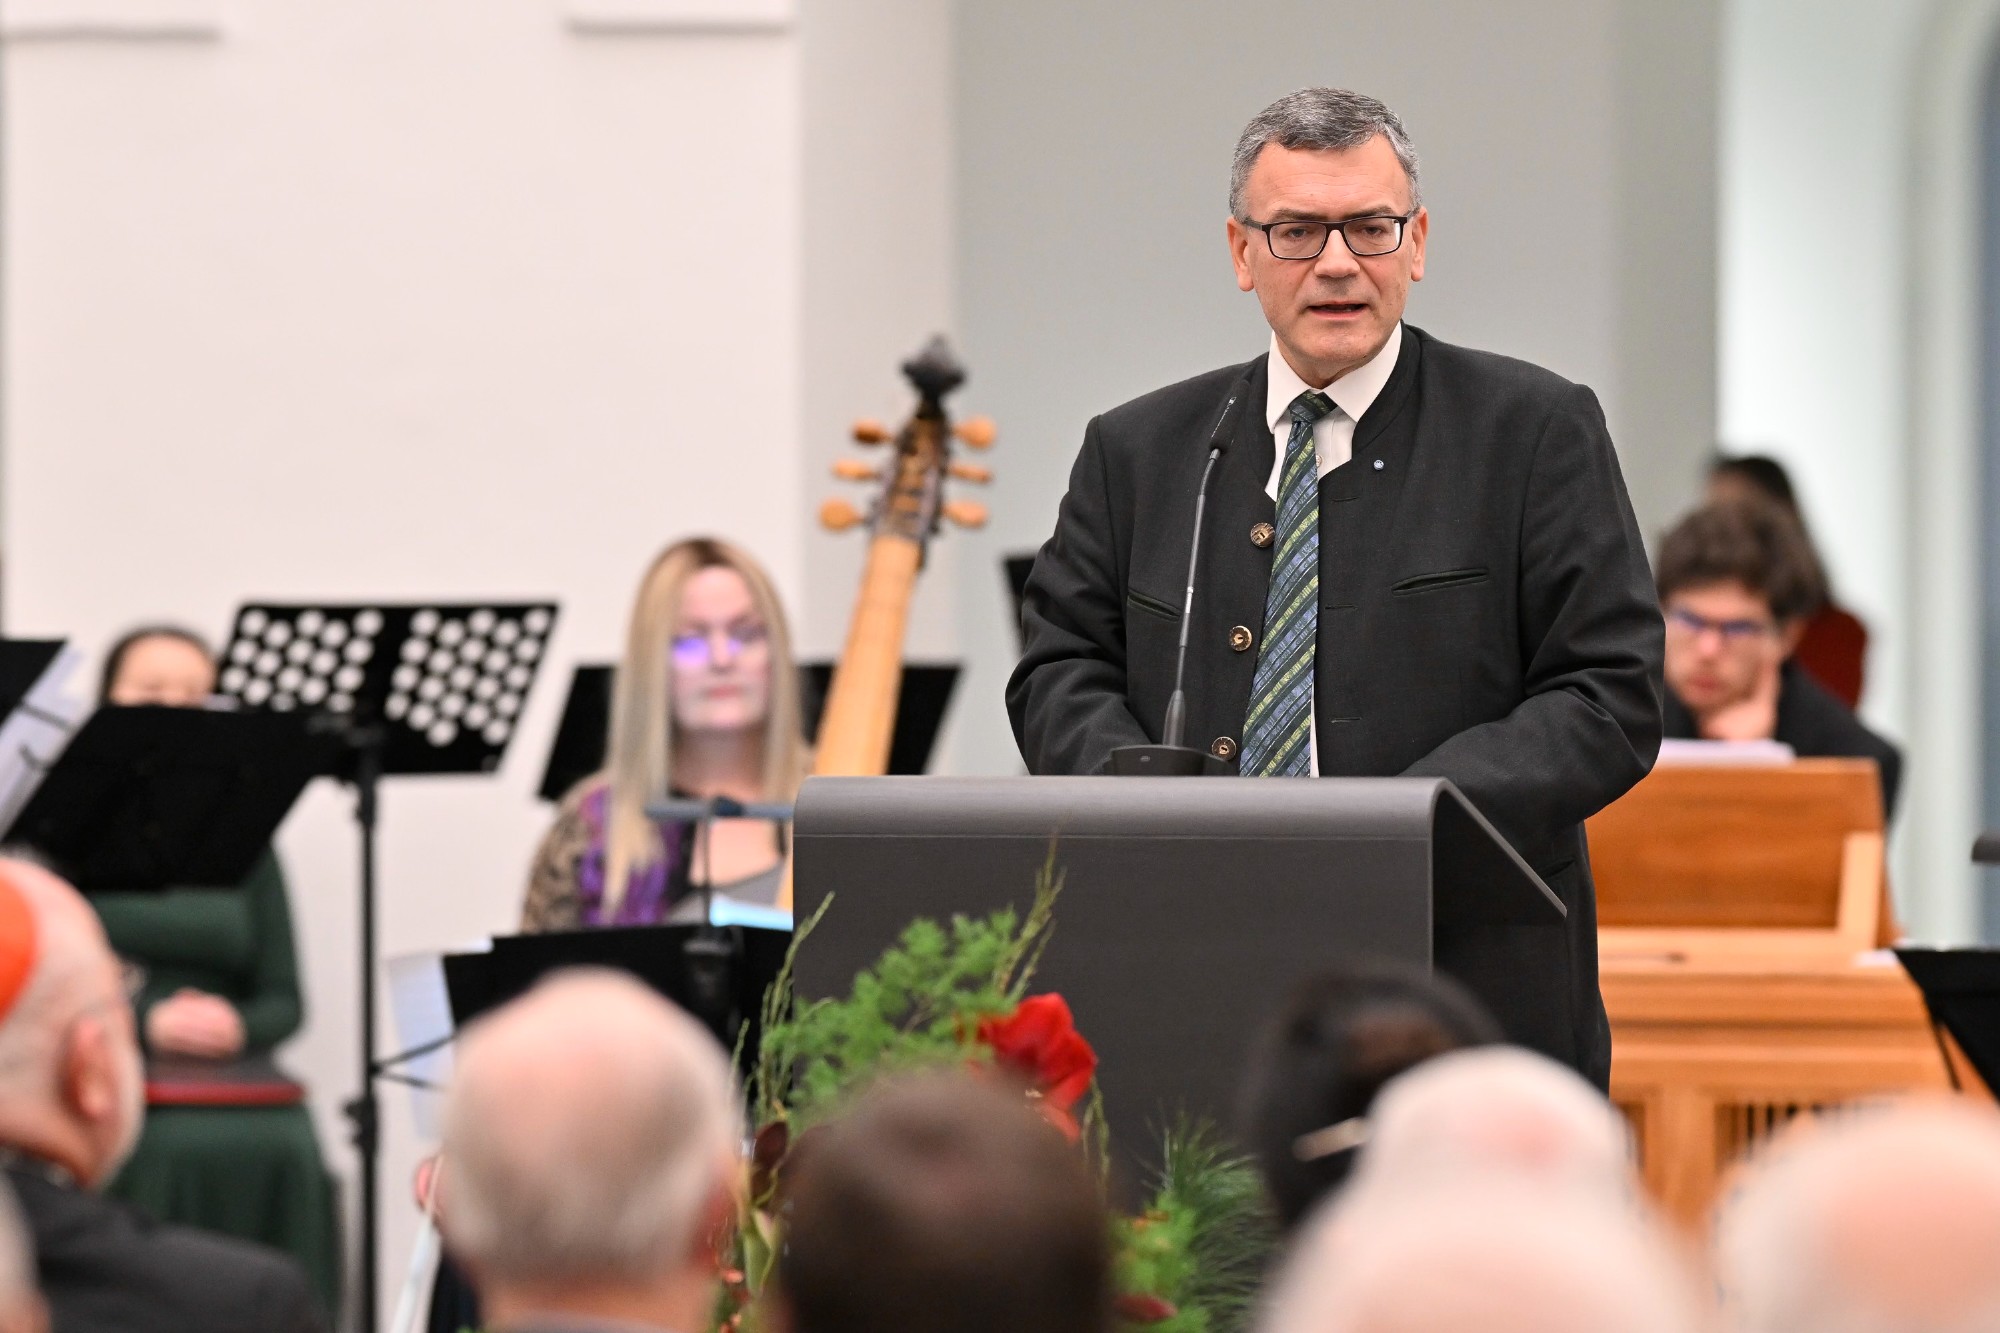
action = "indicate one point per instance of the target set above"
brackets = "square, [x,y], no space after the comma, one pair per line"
[1737,908]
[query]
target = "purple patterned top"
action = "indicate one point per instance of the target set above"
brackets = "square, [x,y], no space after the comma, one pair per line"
[647,897]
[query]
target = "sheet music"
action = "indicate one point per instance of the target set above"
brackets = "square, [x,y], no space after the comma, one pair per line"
[1750,754]
[421,1008]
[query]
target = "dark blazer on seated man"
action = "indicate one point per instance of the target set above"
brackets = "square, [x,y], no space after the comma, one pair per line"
[107,1268]
[1484,607]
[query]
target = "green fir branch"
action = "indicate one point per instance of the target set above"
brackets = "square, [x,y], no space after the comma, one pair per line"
[1206,1239]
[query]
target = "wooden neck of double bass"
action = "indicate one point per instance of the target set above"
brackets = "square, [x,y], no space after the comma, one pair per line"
[860,714]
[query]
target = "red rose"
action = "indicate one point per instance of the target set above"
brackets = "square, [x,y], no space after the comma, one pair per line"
[1040,1042]
[1139,1308]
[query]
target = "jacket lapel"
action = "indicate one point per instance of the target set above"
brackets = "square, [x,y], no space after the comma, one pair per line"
[1236,573]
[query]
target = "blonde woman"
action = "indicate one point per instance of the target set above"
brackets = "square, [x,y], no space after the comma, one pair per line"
[706,704]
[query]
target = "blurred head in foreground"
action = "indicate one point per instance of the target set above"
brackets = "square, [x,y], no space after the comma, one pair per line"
[1887,1221]
[72,1087]
[1500,1111]
[1318,1068]
[944,1205]
[591,1138]
[1487,1254]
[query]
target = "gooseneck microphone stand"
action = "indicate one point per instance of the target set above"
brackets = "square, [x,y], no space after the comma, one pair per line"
[715,954]
[1171,758]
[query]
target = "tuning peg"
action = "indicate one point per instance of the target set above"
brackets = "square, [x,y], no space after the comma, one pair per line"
[838,516]
[976,432]
[869,431]
[966,513]
[853,469]
[971,472]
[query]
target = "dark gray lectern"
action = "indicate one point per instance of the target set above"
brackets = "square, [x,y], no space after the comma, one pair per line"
[1190,906]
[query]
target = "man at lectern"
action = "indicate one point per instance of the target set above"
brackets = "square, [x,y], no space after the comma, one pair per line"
[1416,558]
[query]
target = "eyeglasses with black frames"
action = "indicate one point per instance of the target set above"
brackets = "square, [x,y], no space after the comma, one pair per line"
[1687,625]
[1300,238]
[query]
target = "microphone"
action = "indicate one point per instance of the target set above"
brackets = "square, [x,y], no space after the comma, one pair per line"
[1171,757]
[1218,442]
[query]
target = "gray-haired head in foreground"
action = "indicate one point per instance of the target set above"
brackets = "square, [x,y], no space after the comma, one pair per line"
[1324,120]
[588,1128]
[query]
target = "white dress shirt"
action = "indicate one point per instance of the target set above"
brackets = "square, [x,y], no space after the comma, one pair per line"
[1333,434]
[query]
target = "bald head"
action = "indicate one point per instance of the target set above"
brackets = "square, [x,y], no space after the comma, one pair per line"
[1885,1222]
[72,1087]
[1499,1256]
[588,1132]
[1496,1110]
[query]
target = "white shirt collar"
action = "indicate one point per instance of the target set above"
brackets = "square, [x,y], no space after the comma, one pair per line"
[1351,393]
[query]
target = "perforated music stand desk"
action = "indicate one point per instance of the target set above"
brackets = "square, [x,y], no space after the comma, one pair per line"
[408,688]
[1962,991]
[1190,907]
[144,798]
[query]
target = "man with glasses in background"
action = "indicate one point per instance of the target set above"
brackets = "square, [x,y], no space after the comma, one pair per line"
[1737,584]
[1416,558]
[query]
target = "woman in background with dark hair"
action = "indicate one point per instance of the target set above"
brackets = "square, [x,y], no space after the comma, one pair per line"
[1318,1066]
[219,982]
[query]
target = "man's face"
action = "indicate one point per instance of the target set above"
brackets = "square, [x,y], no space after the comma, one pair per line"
[1332,313]
[1721,640]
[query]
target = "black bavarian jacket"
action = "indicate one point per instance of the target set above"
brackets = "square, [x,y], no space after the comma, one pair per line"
[1487,615]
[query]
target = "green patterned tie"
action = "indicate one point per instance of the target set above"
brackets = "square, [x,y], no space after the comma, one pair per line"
[1277,735]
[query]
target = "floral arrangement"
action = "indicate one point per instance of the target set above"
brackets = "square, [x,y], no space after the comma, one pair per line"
[957,995]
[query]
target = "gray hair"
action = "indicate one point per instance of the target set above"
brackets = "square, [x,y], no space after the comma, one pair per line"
[1479,1251]
[1500,1110]
[1913,1190]
[1324,120]
[588,1128]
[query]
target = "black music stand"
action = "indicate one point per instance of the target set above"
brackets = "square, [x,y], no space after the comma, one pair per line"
[1961,989]
[406,689]
[25,665]
[38,718]
[656,955]
[1191,905]
[578,749]
[143,798]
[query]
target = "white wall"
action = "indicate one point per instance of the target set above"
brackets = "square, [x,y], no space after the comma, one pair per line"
[876,276]
[1823,138]
[1070,115]
[1814,311]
